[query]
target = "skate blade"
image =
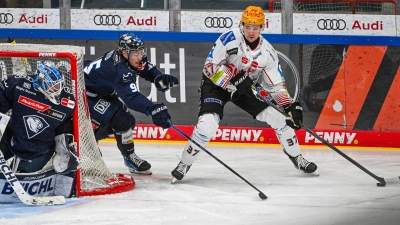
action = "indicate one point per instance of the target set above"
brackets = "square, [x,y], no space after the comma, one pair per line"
[173,180]
[146,172]
[315,173]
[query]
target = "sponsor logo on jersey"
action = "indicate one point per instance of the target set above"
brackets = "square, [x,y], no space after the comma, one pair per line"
[53,114]
[34,125]
[214,100]
[32,103]
[27,85]
[233,51]
[68,103]
[101,106]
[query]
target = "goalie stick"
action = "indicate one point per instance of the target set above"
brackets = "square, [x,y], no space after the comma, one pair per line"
[262,94]
[14,182]
[260,194]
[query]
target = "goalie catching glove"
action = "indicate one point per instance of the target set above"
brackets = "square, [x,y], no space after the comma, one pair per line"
[65,159]
[160,115]
[165,82]
[295,115]
[243,83]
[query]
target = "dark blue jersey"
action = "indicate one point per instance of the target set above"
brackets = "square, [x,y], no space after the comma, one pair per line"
[35,121]
[112,74]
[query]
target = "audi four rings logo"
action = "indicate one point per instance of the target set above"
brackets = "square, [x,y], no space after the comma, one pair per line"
[218,22]
[107,20]
[331,24]
[6,18]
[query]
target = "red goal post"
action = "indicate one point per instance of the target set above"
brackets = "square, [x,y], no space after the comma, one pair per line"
[93,177]
[381,7]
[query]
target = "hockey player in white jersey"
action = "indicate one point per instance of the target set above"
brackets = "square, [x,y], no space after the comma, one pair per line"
[240,58]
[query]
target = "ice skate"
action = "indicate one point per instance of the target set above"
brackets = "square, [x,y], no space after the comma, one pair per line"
[137,165]
[302,164]
[179,172]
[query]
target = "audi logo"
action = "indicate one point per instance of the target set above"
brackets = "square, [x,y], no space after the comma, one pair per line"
[218,22]
[107,20]
[331,24]
[6,18]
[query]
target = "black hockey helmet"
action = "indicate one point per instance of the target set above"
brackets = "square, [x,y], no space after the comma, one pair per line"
[131,42]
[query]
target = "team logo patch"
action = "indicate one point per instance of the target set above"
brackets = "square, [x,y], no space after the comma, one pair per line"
[54,114]
[32,103]
[34,125]
[68,103]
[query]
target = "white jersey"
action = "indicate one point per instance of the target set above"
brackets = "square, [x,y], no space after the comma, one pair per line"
[230,54]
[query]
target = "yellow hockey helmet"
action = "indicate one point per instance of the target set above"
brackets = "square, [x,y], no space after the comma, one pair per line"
[253,15]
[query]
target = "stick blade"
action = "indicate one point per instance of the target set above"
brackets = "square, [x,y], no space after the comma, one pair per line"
[44,201]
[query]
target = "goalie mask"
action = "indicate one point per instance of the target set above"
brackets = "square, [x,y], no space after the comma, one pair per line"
[131,42]
[49,81]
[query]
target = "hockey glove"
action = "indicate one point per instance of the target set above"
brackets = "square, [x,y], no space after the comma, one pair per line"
[165,82]
[295,112]
[160,115]
[243,83]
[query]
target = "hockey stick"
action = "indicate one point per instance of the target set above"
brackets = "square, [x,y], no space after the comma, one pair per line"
[262,94]
[260,194]
[14,182]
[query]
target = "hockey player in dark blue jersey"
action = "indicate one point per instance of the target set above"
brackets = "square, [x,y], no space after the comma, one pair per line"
[112,90]
[40,127]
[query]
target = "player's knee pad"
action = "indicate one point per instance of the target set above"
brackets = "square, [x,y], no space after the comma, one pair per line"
[65,159]
[286,135]
[271,116]
[122,121]
[205,129]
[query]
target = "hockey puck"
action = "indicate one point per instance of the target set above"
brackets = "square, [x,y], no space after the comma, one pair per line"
[262,196]
[381,184]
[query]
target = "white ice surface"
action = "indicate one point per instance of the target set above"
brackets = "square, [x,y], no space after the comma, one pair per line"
[211,194]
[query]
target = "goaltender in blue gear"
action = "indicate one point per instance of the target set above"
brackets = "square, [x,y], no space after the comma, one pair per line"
[112,91]
[40,127]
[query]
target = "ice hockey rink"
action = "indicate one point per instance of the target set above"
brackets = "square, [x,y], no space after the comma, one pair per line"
[211,194]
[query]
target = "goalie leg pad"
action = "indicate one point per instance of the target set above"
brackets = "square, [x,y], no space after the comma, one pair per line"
[205,129]
[286,135]
[65,159]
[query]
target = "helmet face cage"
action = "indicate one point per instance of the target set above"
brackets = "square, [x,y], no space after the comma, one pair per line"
[49,80]
[131,42]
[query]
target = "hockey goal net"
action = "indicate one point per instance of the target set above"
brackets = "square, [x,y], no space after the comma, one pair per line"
[93,177]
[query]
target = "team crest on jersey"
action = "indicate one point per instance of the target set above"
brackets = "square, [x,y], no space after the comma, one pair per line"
[227,37]
[34,125]
[68,103]
[128,77]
